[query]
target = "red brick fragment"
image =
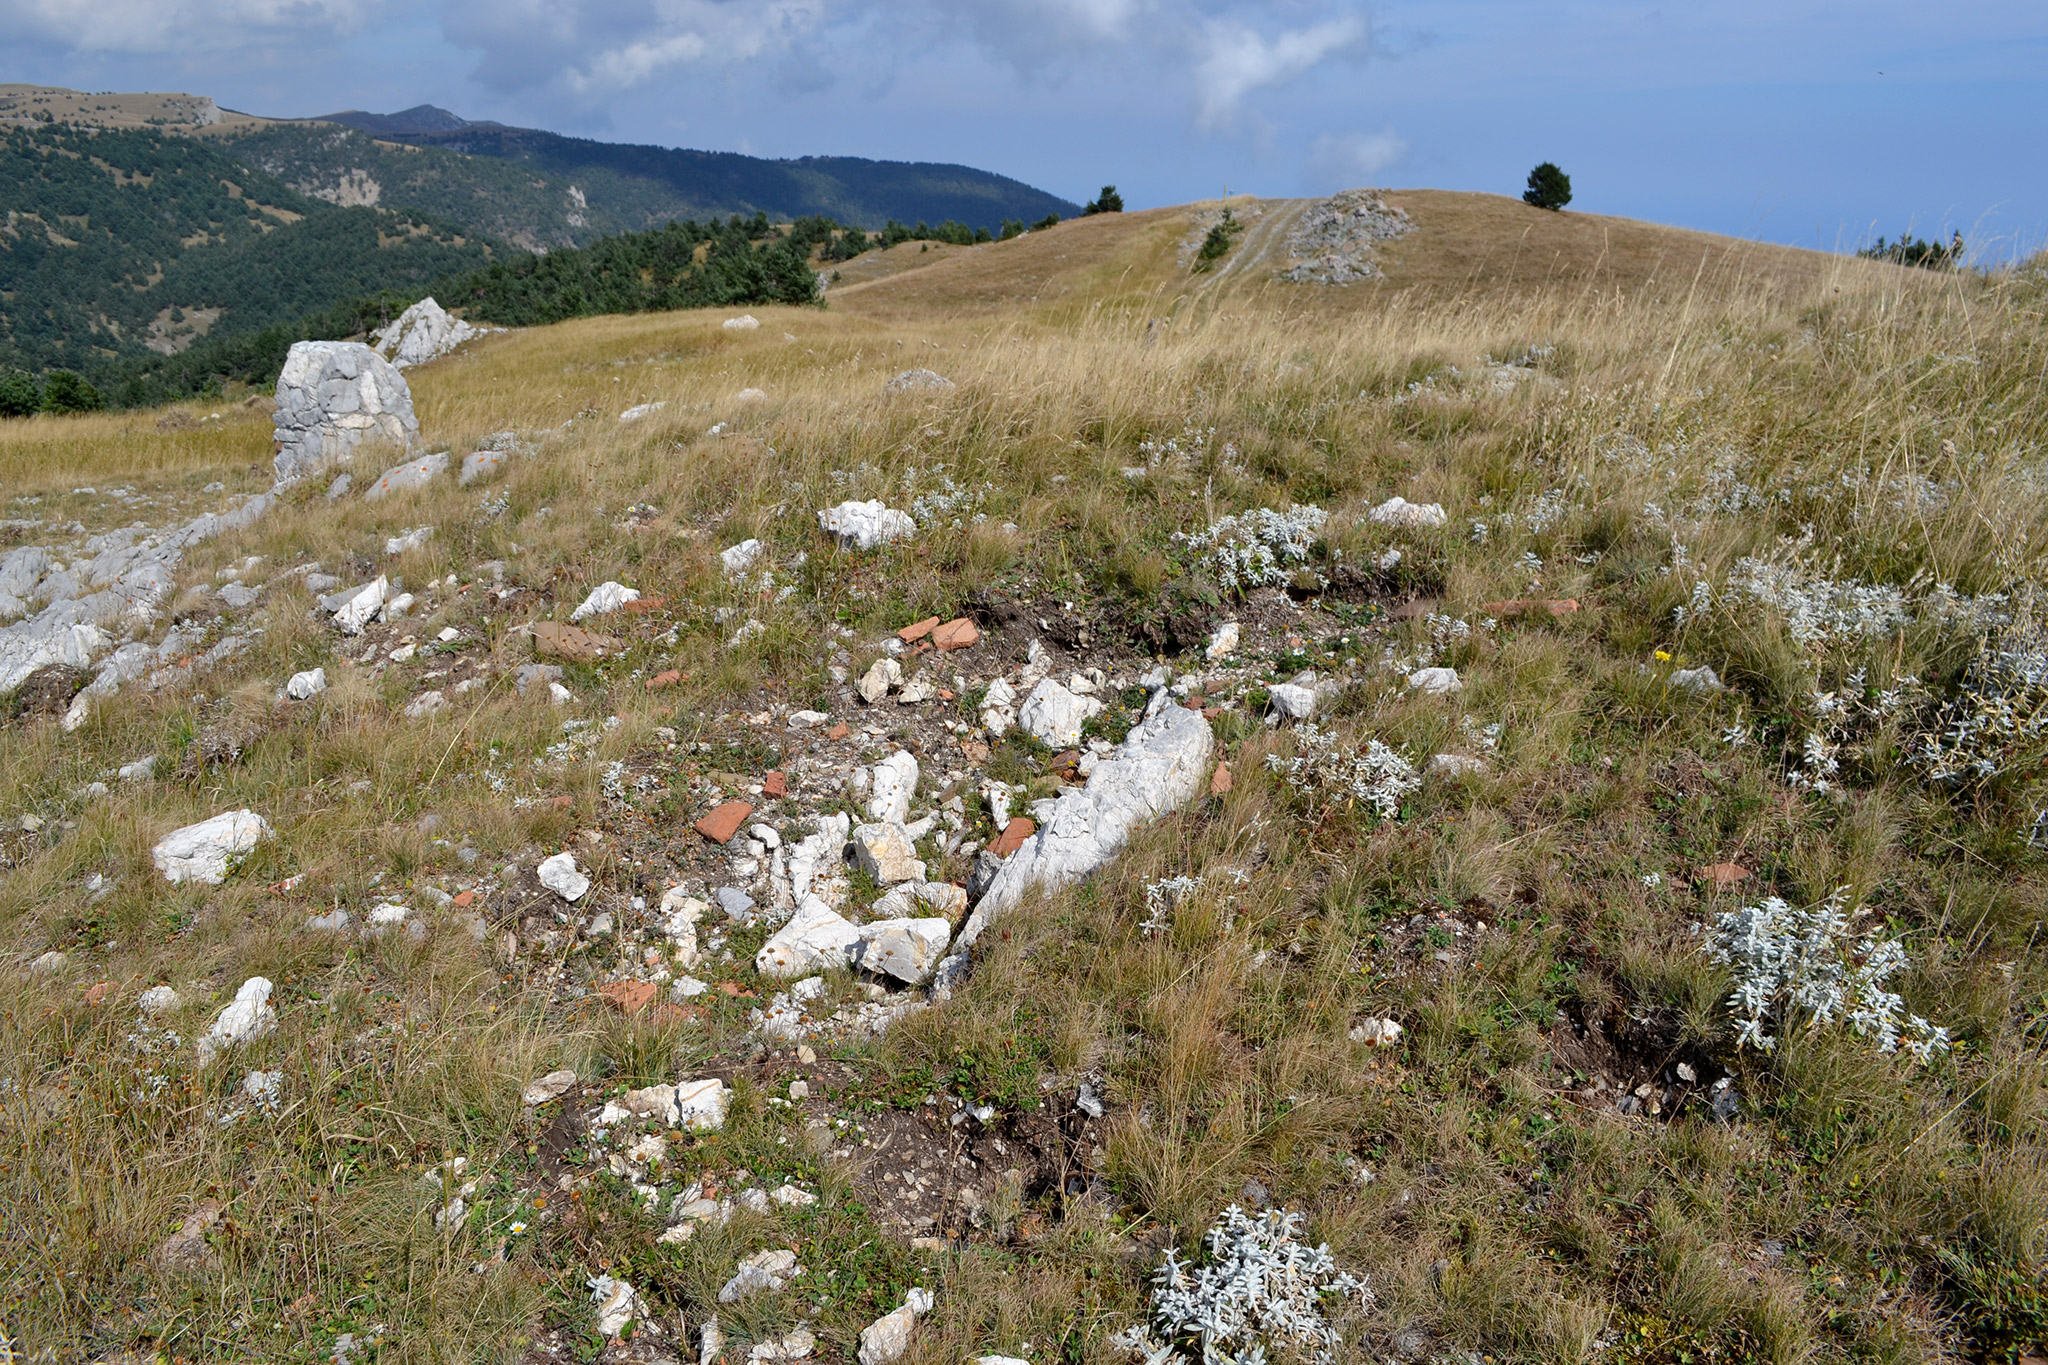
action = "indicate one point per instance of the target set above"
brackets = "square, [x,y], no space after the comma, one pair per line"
[561,802]
[640,606]
[1721,876]
[98,992]
[668,677]
[959,633]
[839,731]
[464,900]
[774,784]
[628,997]
[1219,781]
[1013,836]
[918,630]
[724,821]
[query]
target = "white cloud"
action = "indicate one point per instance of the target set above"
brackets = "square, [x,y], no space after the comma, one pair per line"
[1348,160]
[177,25]
[1236,60]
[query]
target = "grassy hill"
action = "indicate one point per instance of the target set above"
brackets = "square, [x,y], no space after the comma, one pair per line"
[123,244]
[1652,1098]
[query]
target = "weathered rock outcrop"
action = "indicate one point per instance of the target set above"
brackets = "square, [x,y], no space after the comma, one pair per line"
[1160,765]
[334,397]
[422,332]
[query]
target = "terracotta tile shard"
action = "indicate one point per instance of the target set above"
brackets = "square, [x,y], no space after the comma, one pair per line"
[945,694]
[917,630]
[668,677]
[573,643]
[724,821]
[98,992]
[561,802]
[672,1014]
[1219,781]
[1721,876]
[959,633]
[629,997]
[774,784]
[839,731]
[1013,836]
[640,606]
[464,900]
[1534,606]
[974,751]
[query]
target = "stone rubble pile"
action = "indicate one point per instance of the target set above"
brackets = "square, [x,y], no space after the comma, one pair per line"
[1333,243]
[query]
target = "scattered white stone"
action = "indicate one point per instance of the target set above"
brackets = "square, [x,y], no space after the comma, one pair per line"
[1413,516]
[1436,682]
[864,525]
[999,707]
[1223,643]
[771,1270]
[157,1000]
[333,922]
[387,916]
[817,938]
[885,852]
[1455,766]
[426,704]
[640,410]
[882,674]
[604,598]
[248,1017]
[649,1102]
[203,852]
[397,607]
[807,720]
[560,695]
[1163,763]
[141,770]
[333,397]
[1295,703]
[995,797]
[883,1341]
[750,396]
[617,1304]
[560,875]
[745,322]
[361,606]
[408,540]
[918,381]
[479,465]
[891,784]
[1698,680]
[307,685]
[421,333]
[789,1196]
[552,1086]
[1054,716]
[52,961]
[681,913]
[907,949]
[408,477]
[794,1345]
[740,558]
[1377,1033]
[915,900]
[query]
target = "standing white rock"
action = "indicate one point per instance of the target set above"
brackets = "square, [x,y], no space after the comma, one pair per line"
[560,875]
[248,1017]
[202,852]
[1412,516]
[701,1105]
[816,938]
[918,381]
[882,674]
[552,1086]
[334,397]
[1292,701]
[1053,715]
[421,333]
[883,1341]
[892,783]
[604,598]
[307,685]
[864,525]
[886,852]
[1223,643]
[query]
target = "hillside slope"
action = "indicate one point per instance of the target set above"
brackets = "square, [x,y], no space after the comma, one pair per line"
[120,243]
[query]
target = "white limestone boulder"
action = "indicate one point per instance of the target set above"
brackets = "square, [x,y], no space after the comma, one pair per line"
[408,477]
[1053,715]
[885,852]
[1398,512]
[817,938]
[865,525]
[907,949]
[333,399]
[426,331]
[248,1017]
[891,784]
[204,852]
[1162,764]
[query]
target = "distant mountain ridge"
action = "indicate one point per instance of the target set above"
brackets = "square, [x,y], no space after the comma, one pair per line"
[654,184]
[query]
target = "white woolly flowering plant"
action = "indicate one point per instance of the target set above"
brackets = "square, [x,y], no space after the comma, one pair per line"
[1323,770]
[1262,1287]
[1805,963]
[1260,548]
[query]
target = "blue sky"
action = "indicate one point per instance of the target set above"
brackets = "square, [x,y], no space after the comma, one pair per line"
[1797,121]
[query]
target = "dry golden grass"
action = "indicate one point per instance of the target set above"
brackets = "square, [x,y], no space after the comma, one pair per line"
[1509,1213]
